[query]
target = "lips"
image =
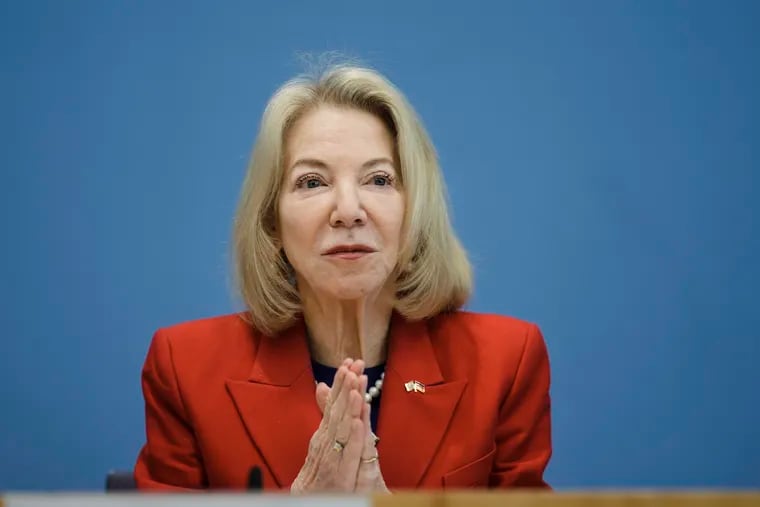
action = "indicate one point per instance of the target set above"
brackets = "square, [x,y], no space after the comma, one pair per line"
[349,249]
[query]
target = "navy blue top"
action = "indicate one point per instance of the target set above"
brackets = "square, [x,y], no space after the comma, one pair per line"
[326,374]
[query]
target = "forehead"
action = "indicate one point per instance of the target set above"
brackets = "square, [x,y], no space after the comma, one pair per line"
[330,131]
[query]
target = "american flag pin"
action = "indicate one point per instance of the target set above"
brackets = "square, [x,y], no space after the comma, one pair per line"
[414,386]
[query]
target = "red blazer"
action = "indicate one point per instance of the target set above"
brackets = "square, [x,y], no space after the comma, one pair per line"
[221,397]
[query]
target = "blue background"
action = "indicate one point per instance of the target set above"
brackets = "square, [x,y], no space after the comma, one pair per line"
[600,156]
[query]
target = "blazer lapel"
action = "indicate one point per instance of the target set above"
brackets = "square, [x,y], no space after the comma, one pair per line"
[277,403]
[412,424]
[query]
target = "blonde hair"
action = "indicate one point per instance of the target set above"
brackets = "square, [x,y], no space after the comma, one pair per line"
[433,273]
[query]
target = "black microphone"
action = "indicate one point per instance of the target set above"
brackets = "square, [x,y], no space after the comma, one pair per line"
[255,482]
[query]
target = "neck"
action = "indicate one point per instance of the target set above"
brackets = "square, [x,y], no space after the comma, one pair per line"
[354,328]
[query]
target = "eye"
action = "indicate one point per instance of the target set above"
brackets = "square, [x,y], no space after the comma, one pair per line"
[381,179]
[309,181]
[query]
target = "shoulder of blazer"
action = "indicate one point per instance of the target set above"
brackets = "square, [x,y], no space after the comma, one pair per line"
[210,331]
[211,345]
[483,329]
[466,340]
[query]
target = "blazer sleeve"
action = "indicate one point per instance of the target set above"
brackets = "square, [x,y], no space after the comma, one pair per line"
[170,459]
[523,435]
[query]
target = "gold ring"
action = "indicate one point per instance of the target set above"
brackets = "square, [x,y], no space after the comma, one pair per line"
[370,460]
[338,447]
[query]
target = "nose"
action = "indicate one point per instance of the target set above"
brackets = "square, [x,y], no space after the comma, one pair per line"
[348,210]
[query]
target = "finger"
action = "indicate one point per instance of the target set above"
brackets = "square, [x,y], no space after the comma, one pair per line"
[322,394]
[335,392]
[353,408]
[340,373]
[368,476]
[323,403]
[351,456]
[357,367]
[340,394]
[339,432]
[346,408]
[369,467]
[362,387]
[370,443]
[370,439]
[340,376]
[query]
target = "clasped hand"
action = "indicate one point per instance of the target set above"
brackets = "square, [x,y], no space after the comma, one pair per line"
[342,452]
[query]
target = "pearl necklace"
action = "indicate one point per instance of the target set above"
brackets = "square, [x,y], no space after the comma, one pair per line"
[374,391]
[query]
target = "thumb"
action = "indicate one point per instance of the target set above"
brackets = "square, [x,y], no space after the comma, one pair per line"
[322,393]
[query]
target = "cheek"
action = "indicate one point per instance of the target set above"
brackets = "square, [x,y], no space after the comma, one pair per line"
[393,228]
[297,222]
[296,240]
[387,211]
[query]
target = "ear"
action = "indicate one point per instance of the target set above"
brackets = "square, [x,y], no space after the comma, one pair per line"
[275,233]
[271,222]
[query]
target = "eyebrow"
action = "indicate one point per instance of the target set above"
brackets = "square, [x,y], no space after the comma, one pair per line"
[315,162]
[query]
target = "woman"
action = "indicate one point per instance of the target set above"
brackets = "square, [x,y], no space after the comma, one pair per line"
[352,277]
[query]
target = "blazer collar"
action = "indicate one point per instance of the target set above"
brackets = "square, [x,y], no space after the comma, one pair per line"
[412,424]
[282,359]
[277,403]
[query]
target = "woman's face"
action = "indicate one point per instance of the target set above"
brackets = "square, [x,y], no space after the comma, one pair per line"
[341,208]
